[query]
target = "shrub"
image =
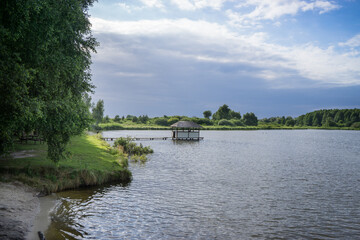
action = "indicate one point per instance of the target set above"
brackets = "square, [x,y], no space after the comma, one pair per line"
[110,126]
[161,122]
[204,121]
[237,122]
[356,125]
[172,120]
[129,147]
[225,122]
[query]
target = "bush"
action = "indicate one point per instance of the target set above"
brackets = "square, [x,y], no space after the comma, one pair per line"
[172,120]
[129,147]
[161,122]
[356,125]
[237,122]
[186,119]
[109,126]
[224,122]
[203,121]
[251,120]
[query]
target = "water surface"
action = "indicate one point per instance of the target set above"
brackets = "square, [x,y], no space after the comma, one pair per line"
[231,185]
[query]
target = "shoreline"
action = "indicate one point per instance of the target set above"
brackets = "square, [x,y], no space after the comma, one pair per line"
[230,129]
[25,179]
[43,219]
[22,212]
[19,206]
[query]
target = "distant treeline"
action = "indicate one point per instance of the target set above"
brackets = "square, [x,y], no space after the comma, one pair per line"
[331,118]
[224,116]
[320,118]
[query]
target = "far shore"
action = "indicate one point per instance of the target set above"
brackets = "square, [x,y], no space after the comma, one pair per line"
[223,128]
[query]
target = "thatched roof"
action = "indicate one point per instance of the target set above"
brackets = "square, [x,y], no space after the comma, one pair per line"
[185,124]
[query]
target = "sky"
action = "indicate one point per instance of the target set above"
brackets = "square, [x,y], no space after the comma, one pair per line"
[182,57]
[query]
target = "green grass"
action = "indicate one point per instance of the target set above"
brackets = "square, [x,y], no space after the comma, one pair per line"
[91,162]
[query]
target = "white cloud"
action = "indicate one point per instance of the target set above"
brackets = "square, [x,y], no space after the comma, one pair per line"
[184,4]
[124,6]
[198,4]
[153,3]
[202,41]
[322,6]
[275,9]
[352,42]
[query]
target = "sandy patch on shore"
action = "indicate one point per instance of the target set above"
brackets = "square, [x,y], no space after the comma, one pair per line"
[19,206]
[43,219]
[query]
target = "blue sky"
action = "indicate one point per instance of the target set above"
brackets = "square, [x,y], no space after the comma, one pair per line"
[182,57]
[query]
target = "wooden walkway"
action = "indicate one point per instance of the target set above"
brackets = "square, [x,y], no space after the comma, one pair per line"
[154,138]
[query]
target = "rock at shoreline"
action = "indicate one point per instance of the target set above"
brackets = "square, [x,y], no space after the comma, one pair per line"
[19,206]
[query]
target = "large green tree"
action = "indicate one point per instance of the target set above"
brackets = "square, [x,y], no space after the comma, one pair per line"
[45,49]
[222,113]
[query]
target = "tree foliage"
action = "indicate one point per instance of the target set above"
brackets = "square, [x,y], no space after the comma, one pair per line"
[250,119]
[98,111]
[224,112]
[117,118]
[45,49]
[225,122]
[207,114]
[329,118]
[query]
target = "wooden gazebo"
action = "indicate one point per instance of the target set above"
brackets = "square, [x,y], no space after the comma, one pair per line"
[186,130]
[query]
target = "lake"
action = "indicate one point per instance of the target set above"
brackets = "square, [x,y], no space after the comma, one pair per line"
[232,185]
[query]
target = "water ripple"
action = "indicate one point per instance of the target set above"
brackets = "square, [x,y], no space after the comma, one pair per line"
[232,185]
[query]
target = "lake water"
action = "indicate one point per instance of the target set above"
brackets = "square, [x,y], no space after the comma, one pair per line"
[232,185]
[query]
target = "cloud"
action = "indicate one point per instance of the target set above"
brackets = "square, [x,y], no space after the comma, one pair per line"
[124,6]
[133,74]
[275,9]
[198,4]
[181,46]
[352,42]
[153,3]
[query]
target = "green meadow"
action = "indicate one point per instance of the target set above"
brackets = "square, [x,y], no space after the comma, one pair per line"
[90,161]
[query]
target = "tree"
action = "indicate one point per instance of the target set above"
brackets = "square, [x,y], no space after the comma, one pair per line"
[290,121]
[207,114]
[135,119]
[172,120]
[106,119]
[161,121]
[45,57]
[222,113]
[250,119]
[235,115]
[143,119]
[317,118]
[98,111]
[117,118]
[330,122]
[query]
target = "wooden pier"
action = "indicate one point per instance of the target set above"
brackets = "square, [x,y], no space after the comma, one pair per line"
[154,138]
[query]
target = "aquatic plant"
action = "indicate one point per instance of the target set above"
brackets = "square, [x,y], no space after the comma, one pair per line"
[129,148]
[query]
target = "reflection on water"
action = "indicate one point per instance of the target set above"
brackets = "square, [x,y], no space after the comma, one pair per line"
[231,185]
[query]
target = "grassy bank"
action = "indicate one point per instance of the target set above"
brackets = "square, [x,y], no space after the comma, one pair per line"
[92,162]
